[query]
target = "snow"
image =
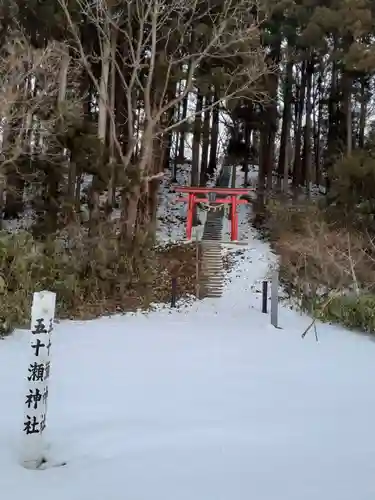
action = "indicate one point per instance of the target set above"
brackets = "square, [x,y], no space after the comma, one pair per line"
[171,214]
[204,402]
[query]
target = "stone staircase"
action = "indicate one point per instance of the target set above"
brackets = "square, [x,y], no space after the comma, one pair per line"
[211,272]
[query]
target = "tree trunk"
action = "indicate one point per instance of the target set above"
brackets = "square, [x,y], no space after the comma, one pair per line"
[205,142]
[181,149]
[362,115]
[306,170]
[247,148]
[346,106]
[212,165]
[268,152]
[197,130]
[317,129]
[112,127]
[53,177]
[333,131]
[297,169]
[168,140]
[286,123]
[132,196]
[103,104]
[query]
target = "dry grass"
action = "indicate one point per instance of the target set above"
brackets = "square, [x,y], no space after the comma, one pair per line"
[91,277]
[329,268]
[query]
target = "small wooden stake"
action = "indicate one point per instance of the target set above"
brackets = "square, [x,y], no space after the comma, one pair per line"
[174,292]
[264,296]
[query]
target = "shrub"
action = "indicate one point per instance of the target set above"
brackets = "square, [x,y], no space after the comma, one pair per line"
[91,276]
[353,187]
[351,311]
[328,268]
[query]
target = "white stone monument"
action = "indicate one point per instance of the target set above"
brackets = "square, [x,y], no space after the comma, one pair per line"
[37,377]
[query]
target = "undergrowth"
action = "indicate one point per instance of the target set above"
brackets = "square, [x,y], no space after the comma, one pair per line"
[91,276]
[327,263]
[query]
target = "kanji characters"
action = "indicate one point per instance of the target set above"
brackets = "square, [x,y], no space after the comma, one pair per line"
[33,398]
[37,372]
[32,425]
[39,327]
[37,346]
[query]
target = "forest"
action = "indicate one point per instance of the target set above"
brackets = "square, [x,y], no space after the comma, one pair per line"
[99,98]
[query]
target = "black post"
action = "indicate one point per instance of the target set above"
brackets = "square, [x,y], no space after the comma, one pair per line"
[174,292]
[264,297]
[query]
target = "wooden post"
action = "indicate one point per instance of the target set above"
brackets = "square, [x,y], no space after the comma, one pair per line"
[36,396]
[274,298]
[174,292]
[264,296]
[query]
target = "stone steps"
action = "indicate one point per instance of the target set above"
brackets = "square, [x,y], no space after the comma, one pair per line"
[211,276]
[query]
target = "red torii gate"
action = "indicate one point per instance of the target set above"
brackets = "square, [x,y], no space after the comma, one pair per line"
[229,195]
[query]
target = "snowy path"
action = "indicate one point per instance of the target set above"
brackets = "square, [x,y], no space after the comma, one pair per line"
[209,403]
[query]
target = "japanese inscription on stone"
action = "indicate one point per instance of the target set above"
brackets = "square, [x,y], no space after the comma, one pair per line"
[37,377]
[37,380]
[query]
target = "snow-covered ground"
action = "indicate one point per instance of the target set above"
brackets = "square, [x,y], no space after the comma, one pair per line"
[205,402]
